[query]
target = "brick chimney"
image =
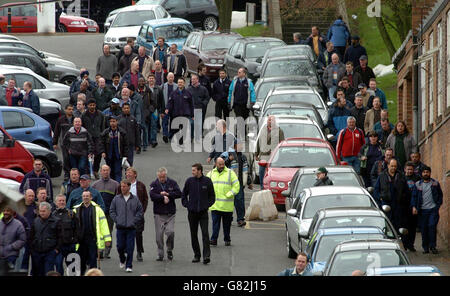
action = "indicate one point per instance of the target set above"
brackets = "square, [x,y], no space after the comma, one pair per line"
[420,9]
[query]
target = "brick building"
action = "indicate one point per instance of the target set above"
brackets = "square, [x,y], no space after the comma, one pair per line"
[423,82]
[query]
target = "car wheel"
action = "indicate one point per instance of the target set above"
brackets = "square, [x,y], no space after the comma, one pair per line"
[68,80]
[280,208]
[62,28]
[210,23]
[45,167]
[291,253]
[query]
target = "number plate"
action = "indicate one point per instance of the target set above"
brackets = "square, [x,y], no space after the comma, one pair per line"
[92,29]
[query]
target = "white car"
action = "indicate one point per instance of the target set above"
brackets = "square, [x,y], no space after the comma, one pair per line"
[45,89]
[127,24]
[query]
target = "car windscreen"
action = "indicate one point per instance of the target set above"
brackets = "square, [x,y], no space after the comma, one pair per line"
[296,130]
[290,51]
[264,88]
[315,203]
[174,31]
[345,263]
[291,67]
[341,179]
[218,42]
[308,98]
[291,111]
[327,243]
[299,156]
[258,49]
[133,18]
[358,221]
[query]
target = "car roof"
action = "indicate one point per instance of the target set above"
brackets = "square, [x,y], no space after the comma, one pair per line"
[293,89]
[17,54]
[167,21]
[330,169]
[15,108]
[298,119]
[16,3]
[258,39]
[403,269]
[12,68]
[367,244]
[296,57]
[349,212]
[309,142]
[139,7]
[216,33]
[299,105]
[348,230]
[281,78]
[8,37]
[326,190]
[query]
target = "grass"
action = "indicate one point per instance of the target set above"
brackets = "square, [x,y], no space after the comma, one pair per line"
[255,30]
[388,84]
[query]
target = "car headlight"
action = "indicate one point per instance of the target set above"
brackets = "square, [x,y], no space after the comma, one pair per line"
[281,184]
[108,39]
[213,61]
[273,184]
[113,39]
[76,23]
[220,61]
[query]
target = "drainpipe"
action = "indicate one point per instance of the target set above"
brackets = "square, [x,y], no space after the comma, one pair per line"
[415,107]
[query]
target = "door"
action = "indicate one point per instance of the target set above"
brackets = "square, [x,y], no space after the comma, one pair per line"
[294,224]
[38,87]
[29,17]
[176,8]
[19,125]
[197,11]
[235,63]
[6,153]
[229,58]
[191,54]
[142,39]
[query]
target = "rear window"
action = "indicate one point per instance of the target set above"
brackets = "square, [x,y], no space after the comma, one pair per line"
[173,31]
[307,98]
[291,67]
[299,156]
[258,49]
[133,18]
[316,203]
[218,42]
[358,221]
[295,130]
[263,90]
[341,179]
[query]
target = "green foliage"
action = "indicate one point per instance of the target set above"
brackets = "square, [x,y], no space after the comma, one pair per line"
[256,30]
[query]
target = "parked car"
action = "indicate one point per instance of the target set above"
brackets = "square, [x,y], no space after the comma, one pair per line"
[299,219]
[208,48]
[51,57]
[128,22]
[288,156]
[8,37]
[13,155]
[248,53]
[264,85]
[26,126]
[307,110]
[293,95]
[306,177]
[24,20]
[57,73]
[11,184]
[11,175]
[290,50]
[51,165]
[404,270]
[201,13]
[44,88]
[24,60]
[174,30]
[325,240]
[50,111]
[349,256]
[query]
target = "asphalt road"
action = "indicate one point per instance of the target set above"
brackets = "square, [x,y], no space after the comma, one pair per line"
[257,249]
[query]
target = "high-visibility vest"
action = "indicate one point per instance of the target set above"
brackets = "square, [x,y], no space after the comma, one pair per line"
[226,186]
[102,229]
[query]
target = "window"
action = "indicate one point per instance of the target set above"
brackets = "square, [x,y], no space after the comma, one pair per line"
[29,10]
[12,120]
[233,49]
[162,12]
[430,81]
[21,78]
[27,121]
[448,59]
[195,40]
[240,50]
[143,31]
[199,3]
[423,94]
[175,4]
[132,18]
[37,84]
[15,11]
[440,69]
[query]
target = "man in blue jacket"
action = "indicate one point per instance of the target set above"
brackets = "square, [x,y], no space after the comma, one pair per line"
[301,267]
[220,90]
[339,35]
[37,178]
[30,99]
[241,95]
[425,202]
[76,198]
[337,117]
[355,51]
[198,195]
[316,41]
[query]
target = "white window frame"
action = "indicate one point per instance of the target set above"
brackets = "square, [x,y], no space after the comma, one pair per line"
[430,80]
[440,69]
[448,59]
[423,94]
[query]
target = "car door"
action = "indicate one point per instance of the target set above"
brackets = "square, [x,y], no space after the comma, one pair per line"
[17,127]
[294,224]
[38,87]
[142,39]
[240,62]
[197,11]
[229,58]
[235,62]
[176,8]
[192,53]
[29,17]
[6,153]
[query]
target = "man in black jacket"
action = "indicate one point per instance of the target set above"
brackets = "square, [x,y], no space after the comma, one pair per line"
[220,95]
[175,62]
[200,96]
[95,123]
[163,192]
[68,231]
[128,123]
[79,145]
[63,124]
[359,112]
[364,70]
[45,241]
[203,79]
[322,177]
[198,195]
[153,103]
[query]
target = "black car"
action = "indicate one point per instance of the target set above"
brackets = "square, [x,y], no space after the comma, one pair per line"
[52,166]
[24,60]
[248,53]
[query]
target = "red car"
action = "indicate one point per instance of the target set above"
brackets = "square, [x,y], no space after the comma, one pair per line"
[24,20]
[13,155]
[290,155]
[11,174]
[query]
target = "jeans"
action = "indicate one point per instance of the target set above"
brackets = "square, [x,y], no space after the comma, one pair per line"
[145,132]
[227,218]
[196,219]
[153,127]
[65,250]
[116,168]
[88,254]
[331,91]
[26,257]
[43,262]
[411,226]
[428,220]
[79,162]
[125,244]
[239,205]
[353,161]
[262,171]
[165,125]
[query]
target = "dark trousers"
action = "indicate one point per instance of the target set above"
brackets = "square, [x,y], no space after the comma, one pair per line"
[79,162]
[116,168]
[130,156]
[222,109]
[111,227]
[227,218]
[43,262]
[239,205]
[88,254]
[66,162]
[65,250]
[196,219]
[241,111]
[428,220]
[173,131]
[26,257]
[139,237]
[341,51]
[125,244]
[411,223]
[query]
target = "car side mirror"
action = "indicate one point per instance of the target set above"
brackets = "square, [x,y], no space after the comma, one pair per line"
[256,106]
[403,231]
[256,75]
[9,142]
[304,233]
[42,55]
[259,60]
[329,103]
[370,190]
[192,46]
[386,208]
[292,212]
[237,56]
[331,137]
[286,193]
[262,163]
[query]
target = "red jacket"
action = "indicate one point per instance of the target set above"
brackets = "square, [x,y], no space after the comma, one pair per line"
[349,142]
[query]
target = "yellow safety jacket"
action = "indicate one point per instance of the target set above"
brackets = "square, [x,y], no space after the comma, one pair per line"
[101,226]
[226,186]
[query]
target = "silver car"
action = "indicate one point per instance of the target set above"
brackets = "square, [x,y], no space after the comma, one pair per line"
[44,88]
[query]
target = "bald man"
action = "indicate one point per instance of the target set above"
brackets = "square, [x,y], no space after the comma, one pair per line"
[332,74]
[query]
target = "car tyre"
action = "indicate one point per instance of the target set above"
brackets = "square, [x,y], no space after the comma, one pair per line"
[210,23]
[280,208]
[62,28]
[68,80]
[291,253]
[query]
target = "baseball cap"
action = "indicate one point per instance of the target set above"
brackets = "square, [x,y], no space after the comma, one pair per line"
[362,85]
[85,177]
[363,57]
[322,170]
[113,117]
[115,101]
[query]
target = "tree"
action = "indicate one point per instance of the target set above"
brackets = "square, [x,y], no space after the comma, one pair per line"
[225,8]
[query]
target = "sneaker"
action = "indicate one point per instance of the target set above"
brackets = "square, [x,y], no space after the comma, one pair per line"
[206,260]
[129,269]
[241,223]
[145,148]
[138,152]
[122,265]
[154,145]
[213,243]
[165,139]
[227,244]
[169,255]
[434,251]
[139,257]
[159,259]
[426,252]
[196,260]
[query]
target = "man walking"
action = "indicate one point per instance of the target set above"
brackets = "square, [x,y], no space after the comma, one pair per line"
[226,186]
[145,62]
[332,75]
[200,96]
[163,192]
[355,51]
[73,183]
[316,41]
[198,195]
[339,35]
[349,142]
[167,90]
[153,104]
[127,212]
[30,99]
[130,127]
[159,53]
[359,112]
[36,179]
[102,95]
[12,238]
[175,62]
[79,145]
[322,177]
[223,141]
[76,197]
[241,94]
[107,64]
[220,90]
[126,59]
[411,218]
[426,201]
[63,124]
[364,70]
